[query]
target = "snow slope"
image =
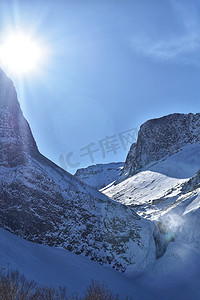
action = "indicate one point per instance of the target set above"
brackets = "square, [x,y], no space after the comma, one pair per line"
[57,267]
[158,184]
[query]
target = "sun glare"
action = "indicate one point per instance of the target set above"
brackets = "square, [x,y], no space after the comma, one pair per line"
[19,54]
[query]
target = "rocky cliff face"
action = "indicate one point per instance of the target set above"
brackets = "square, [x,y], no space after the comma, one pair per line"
[16,140]
[41,202]
[161,137]
[192,184]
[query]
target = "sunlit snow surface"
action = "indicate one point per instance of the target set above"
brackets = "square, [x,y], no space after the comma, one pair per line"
[157,187]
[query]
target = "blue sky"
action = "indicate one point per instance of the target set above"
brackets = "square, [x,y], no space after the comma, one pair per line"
[111,66]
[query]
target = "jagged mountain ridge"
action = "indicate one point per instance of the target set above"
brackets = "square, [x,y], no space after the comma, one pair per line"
[41,202]
[161,137]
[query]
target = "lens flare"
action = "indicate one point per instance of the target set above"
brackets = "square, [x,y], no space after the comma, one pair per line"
[19,53]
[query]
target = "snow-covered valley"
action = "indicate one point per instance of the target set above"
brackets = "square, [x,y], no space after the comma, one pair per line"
[139,233]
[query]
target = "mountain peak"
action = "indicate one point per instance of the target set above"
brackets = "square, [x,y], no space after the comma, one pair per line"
[16,139]
[8,97]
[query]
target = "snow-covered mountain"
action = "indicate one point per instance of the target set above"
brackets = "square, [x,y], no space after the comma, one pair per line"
[100,175]
[160,137]
[166,190]
[43,203]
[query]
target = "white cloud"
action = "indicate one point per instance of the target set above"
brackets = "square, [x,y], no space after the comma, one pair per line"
[167,49]
[178,47]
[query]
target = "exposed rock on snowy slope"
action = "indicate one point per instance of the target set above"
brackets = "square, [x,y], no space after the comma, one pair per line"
[160,137]
[58,267]
[43,203]
[100,175]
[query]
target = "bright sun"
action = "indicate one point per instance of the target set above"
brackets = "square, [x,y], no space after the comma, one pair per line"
[19,54]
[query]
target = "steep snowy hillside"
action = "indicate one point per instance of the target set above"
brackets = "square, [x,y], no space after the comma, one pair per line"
[43,203]
[58,267]
[100,175]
